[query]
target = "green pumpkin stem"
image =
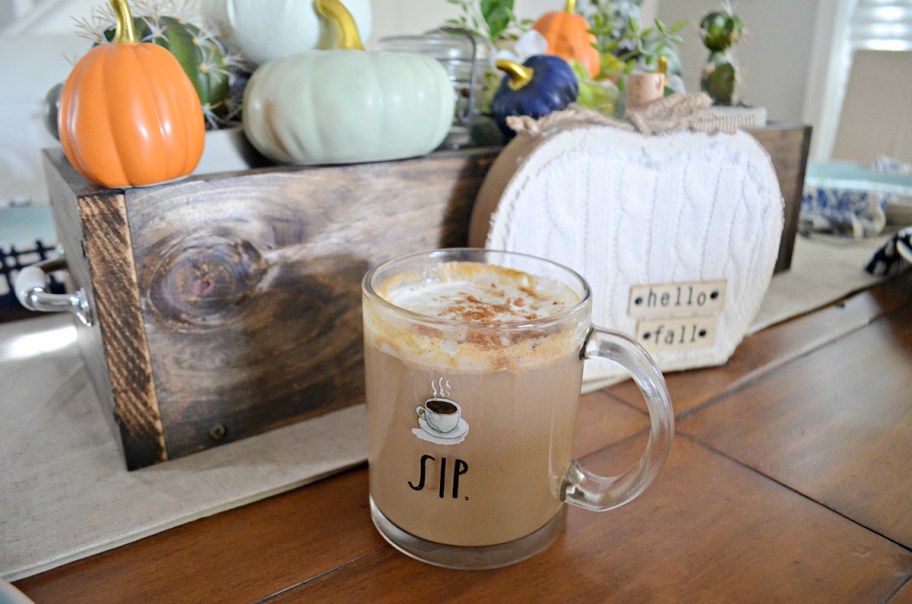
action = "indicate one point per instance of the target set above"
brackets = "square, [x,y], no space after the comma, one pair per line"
[124,34]
[570,7]
[345,29]
[520,75]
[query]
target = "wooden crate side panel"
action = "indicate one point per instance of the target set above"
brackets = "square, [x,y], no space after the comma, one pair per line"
[62,181]
[788,147]
[250,284]
[110,261]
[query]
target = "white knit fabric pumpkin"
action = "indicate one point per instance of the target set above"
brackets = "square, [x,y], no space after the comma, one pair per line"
[628,210]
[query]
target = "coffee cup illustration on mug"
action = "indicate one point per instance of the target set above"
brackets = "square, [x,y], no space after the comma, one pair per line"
[441,414]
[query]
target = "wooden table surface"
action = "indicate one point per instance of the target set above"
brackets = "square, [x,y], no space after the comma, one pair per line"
[790,480]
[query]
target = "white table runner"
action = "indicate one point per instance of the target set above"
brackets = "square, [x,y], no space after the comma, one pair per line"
[64,490]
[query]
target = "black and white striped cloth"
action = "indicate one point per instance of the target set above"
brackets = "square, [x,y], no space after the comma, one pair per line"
[889,260]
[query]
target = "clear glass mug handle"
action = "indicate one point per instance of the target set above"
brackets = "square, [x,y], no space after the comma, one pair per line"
[587,490]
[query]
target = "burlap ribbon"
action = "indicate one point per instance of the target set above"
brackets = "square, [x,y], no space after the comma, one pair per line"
[669,114]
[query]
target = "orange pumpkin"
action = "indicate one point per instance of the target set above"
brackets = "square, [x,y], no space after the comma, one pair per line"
[129,115]
[568,37]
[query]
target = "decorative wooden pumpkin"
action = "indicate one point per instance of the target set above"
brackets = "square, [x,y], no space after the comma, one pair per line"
[347,105]
[129,116]
[568,37]
[677,234]
[265,31]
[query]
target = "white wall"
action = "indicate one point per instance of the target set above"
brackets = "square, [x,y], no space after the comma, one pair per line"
[391,17]
[411,17]
[398,17]
[774,56]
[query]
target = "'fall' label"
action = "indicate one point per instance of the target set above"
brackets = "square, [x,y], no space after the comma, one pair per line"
[679,333]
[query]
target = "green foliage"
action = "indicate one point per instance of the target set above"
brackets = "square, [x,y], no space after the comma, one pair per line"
[202,60]
[719,83]
[598,95]
[491,80]
[720,30]
[633,45]
[214,72]
[620,39]
[491,20]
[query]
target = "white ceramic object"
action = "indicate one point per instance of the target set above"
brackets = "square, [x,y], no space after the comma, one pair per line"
[628,211]
[899,206]
[888,182]
[10,595]
[264,30]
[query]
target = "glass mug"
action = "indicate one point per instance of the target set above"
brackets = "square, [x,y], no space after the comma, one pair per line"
[473,368]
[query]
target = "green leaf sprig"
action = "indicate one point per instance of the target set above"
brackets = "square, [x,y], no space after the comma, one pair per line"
[637,44]
[491,20]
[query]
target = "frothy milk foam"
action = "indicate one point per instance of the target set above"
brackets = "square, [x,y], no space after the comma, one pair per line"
[479,292]
[516,378]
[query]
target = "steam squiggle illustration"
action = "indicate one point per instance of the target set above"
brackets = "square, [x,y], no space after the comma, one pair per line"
[441,387]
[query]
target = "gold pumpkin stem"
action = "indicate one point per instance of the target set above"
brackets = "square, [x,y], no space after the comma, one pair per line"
[345,29]
[663,69]
[520,75]
[570,7]
[124,32]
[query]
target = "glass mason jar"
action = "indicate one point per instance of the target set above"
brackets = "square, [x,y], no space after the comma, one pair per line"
[464,57]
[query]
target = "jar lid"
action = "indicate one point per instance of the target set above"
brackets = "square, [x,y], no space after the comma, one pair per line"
[441,44]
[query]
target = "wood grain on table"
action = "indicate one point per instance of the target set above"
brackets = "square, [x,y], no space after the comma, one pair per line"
[790,480]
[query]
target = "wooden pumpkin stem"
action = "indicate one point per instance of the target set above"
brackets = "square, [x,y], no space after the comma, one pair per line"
[520,75]
[570,7]
[124,33]
[345,29]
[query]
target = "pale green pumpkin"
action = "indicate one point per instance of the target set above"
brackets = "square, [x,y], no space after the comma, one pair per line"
[345,106]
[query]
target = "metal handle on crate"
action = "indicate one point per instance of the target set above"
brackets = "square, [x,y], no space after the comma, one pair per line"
[31,290]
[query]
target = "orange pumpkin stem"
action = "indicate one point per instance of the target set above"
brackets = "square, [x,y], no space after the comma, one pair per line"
[570,7]
[124,33]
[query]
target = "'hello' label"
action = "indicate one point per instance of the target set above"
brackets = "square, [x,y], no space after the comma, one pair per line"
[688,298]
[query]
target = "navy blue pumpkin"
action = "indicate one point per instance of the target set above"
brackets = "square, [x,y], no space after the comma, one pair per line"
[544,83]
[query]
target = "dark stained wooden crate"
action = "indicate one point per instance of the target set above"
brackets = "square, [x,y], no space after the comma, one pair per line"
[229,304]
[788,146]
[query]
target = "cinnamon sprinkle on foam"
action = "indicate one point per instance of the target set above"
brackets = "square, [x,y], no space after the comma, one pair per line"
[474,292]
[481,298]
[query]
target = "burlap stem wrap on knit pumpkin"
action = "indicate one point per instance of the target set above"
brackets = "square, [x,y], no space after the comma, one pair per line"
[673,113]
